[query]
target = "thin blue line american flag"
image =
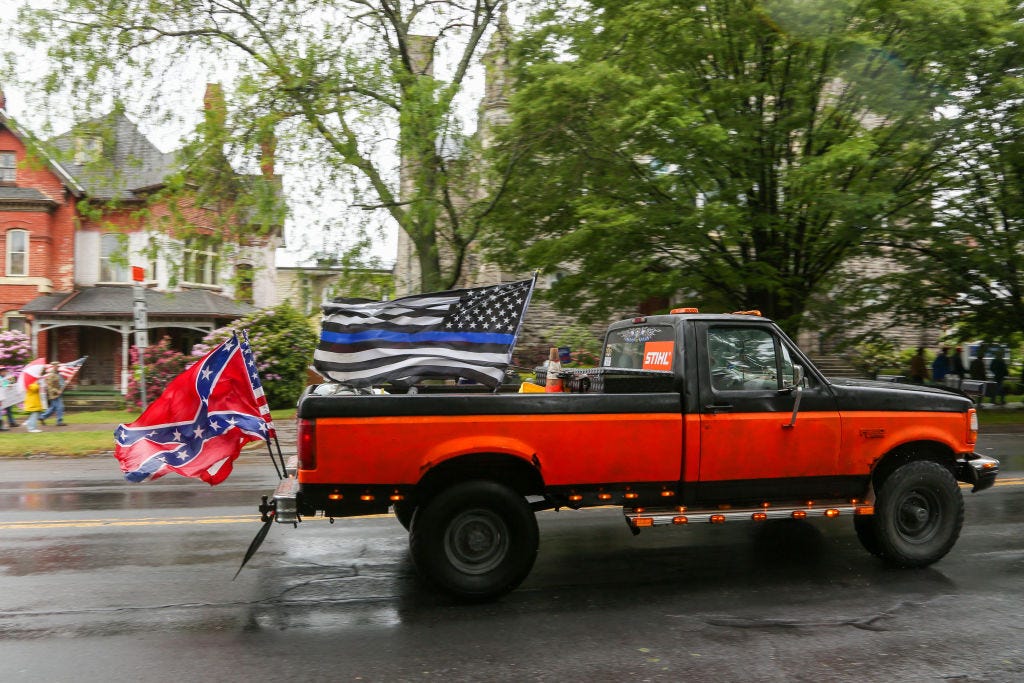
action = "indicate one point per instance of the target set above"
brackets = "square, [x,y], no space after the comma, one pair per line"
[467,333]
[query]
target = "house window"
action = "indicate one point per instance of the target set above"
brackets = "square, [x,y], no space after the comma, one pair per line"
[113,267]
[17,252]
[8,167]
[87,150]
[201,263]
[16,323]
[244,275]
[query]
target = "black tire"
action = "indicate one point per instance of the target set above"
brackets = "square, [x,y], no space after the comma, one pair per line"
[918,514]
[403,513]
[867,532]
[476,540]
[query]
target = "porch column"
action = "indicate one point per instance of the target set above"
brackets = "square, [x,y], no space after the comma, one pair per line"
[35,338]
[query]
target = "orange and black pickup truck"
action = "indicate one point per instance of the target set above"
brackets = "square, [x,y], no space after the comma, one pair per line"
[691,418]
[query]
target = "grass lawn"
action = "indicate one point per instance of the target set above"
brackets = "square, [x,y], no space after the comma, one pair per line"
[53,441]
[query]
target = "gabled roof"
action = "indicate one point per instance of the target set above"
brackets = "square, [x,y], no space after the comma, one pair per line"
[32,144]
[128,161]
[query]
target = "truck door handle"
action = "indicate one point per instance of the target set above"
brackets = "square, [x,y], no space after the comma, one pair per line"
[718,408]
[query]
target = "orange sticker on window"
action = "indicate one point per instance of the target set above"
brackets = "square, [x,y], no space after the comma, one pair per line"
[658,355]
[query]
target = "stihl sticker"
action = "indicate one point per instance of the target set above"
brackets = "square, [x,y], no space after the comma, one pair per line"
[658,355]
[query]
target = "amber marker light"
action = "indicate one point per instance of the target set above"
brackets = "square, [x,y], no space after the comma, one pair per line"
[717,519]
[334,496]
[575,497]
[831,512]
[799,514]
[676,311]
[395,497]
[604,496]
[667,494]
[632,495]
[643,522]
[866,510]
[366,498]
[680,519]
[759,516]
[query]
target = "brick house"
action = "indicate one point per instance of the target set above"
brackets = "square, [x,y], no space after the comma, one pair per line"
[69,234]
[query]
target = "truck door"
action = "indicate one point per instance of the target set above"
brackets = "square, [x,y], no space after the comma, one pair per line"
[749,453]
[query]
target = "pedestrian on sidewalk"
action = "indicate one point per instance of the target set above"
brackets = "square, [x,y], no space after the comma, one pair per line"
[7,381]
[940,366]
[999,373]
[54,393]
[33,406]
[918,367]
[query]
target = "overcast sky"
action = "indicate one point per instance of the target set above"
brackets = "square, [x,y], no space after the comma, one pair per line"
[306,208]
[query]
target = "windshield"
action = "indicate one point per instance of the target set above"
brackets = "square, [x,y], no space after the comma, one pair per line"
[645,347]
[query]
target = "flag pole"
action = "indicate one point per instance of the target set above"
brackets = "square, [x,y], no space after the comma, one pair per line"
[271,452]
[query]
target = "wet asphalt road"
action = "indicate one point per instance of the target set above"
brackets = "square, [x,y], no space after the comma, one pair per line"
[102,580]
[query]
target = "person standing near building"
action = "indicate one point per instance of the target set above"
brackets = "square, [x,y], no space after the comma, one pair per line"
[977,367]
[957,368]
[999,373]
[940,366]
[918,367]
[54,394]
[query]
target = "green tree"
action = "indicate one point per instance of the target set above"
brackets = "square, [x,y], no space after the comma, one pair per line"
[737,152]
[964,266]
[346,87]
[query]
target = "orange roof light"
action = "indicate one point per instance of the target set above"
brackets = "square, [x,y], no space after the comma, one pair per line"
[675,311]
[752,311]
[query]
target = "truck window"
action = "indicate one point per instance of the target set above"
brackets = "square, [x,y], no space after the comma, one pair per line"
[644,347]
[747,358]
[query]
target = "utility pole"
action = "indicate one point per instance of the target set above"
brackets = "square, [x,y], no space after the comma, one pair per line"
[141,331]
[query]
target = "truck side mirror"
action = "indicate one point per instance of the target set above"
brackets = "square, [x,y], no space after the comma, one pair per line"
[798,379]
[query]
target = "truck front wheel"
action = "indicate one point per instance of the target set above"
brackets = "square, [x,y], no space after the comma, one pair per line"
[476,540]
[918,514]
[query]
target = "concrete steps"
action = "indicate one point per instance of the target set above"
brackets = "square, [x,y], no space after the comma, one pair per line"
[79,399]
[835,365]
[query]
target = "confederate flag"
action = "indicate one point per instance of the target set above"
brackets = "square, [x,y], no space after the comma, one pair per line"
[201,421]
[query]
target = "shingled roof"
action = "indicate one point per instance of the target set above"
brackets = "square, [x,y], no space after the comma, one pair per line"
[128,161]
[108,301]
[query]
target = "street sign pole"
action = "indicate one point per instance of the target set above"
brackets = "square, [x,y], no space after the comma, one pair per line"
[141,331]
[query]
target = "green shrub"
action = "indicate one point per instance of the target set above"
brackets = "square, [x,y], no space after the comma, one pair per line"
[283,341]
[163,364]
[15,350]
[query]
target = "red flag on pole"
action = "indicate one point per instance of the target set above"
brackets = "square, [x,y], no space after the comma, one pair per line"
[199,424]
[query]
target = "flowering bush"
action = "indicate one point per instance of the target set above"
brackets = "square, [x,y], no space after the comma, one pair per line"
[283,341]
[163,364]
[15,348]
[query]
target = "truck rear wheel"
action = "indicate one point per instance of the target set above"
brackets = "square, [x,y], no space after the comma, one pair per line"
[918,514]
[476,540]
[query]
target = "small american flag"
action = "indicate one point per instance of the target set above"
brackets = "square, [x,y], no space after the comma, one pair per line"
[466,333]
[69,370]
